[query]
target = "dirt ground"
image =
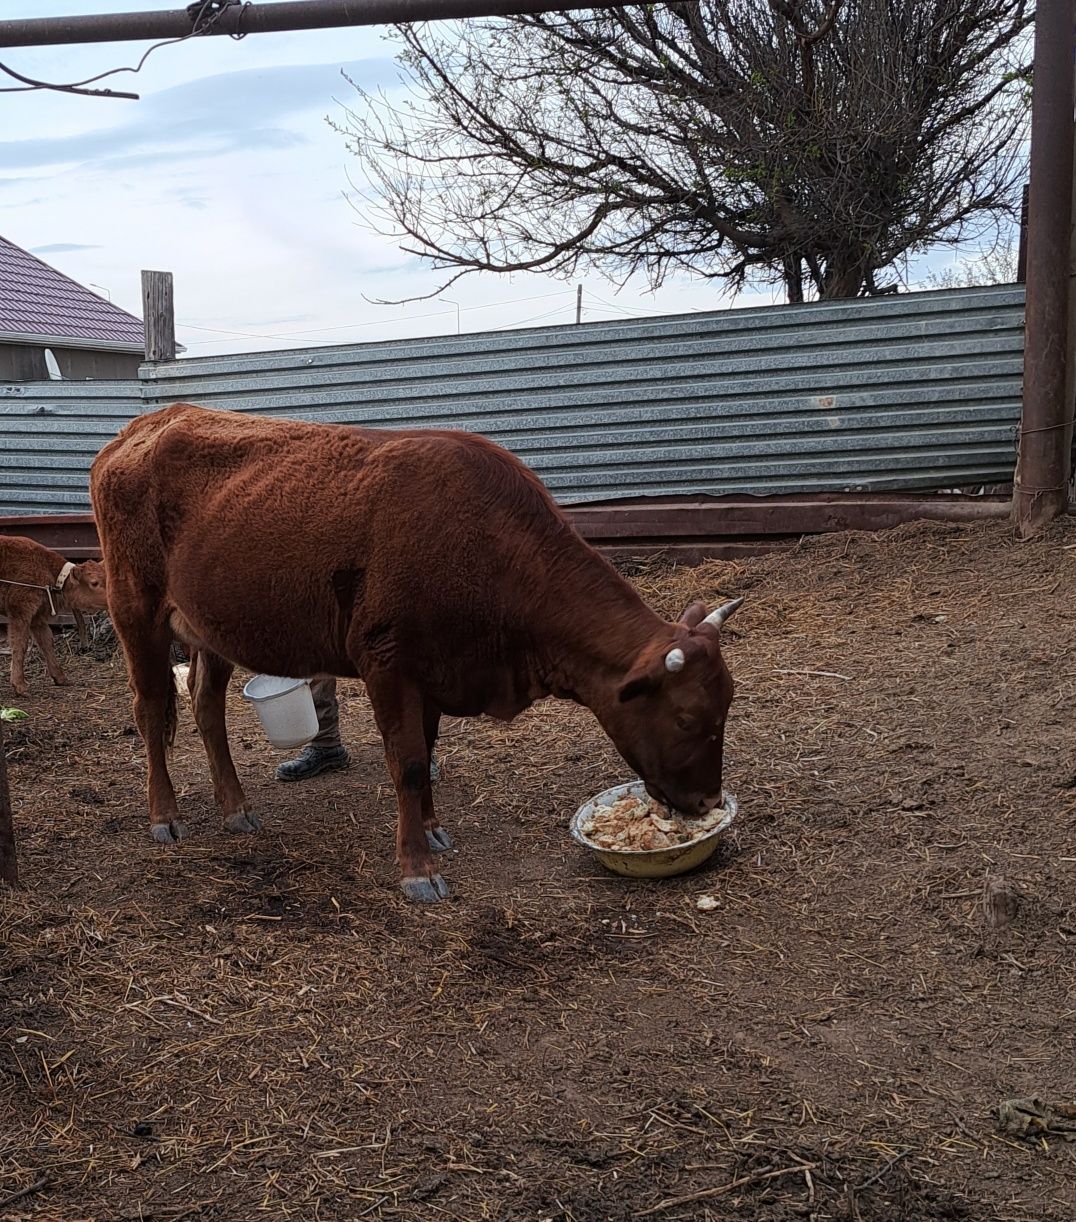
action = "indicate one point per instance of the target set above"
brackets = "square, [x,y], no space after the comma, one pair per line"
[243,1028]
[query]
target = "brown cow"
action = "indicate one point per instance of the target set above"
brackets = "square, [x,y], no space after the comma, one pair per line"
[432,564]
[35,583]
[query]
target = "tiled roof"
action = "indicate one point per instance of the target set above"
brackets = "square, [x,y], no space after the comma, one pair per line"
[37,300]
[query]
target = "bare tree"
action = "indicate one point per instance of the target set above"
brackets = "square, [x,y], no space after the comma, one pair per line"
[992,265]
[812,144]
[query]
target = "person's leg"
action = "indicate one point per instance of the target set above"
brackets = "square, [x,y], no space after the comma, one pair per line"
[327,708]
[325,753]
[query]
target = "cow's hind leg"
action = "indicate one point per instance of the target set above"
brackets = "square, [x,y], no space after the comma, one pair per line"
[147,646]
[399,710]
[207,681]
[438,839]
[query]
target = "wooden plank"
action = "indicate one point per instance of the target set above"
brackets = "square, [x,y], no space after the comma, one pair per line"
[716,527]
[691,553]
[734,519]
[158,316]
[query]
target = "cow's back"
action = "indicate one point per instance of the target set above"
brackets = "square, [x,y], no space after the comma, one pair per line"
[283,543]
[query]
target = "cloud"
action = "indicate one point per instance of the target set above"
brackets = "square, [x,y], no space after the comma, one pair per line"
[209,117]
[61,248]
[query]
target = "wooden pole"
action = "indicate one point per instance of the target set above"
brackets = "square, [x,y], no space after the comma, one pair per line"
[578,304]
[158,316]
[1041,483]
[9,866]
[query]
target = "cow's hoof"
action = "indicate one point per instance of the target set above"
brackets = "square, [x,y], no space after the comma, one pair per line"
[168,833]
[60,680]
[438,839]
[425,890]
[243,822]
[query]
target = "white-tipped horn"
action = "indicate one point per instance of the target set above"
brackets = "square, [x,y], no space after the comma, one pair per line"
[718,617]
[674,660]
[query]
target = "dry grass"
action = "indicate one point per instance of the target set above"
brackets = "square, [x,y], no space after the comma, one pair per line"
[265,1028]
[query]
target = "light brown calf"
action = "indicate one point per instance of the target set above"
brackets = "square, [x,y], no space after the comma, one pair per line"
[35,582]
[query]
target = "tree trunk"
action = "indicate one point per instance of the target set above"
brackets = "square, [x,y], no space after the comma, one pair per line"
[794,279]
[842,280]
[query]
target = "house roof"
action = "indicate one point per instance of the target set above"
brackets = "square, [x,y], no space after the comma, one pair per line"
[38,304]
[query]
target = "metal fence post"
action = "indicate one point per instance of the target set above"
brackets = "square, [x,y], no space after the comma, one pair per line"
[1040,489]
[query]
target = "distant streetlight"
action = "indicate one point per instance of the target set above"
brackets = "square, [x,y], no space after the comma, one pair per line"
[448,301]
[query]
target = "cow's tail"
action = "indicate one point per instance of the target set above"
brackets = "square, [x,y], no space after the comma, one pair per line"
[171,712]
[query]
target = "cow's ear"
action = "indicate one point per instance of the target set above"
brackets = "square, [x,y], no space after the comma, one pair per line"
[693,615]
[641,679]
[637,686]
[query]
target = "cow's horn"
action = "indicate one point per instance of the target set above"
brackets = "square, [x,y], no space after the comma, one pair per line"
[718,617]
[674,661]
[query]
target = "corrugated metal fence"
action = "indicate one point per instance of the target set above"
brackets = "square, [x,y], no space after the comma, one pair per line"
[49,434]
[910,392]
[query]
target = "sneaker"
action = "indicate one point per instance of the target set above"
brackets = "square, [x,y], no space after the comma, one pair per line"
[312,760]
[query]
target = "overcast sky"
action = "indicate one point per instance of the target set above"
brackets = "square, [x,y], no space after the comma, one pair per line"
[227,174]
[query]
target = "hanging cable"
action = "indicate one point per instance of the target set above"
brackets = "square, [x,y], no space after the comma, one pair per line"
[204,17]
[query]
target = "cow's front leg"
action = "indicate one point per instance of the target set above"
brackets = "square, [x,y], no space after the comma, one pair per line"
[398,708]
[207,682]
[42,634]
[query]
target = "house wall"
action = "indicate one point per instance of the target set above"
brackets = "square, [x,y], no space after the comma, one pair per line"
[26,363]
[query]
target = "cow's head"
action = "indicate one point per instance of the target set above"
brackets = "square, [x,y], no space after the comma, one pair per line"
[84,587]
[669,718]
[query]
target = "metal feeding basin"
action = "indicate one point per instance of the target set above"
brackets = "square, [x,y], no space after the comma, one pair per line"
[649,863]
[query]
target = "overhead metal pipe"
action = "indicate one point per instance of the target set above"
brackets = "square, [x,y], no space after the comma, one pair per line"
[263,19]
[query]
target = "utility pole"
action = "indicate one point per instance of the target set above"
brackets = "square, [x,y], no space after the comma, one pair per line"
[578,304]
[1041,483]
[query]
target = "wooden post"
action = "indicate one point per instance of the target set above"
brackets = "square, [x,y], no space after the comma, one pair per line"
[158,316]
[1070,347]
[9,866]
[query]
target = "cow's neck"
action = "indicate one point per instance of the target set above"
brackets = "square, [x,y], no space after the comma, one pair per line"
[592,628]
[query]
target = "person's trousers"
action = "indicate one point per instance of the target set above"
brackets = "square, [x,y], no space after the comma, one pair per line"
[328,710]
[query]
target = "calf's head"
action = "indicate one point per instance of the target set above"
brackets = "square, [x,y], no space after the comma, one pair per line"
[84,587]
[668,721]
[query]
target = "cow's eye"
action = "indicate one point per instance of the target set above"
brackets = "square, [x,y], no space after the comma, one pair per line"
[687,724]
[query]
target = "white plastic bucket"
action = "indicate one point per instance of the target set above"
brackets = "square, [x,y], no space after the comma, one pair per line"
[285,708]
[179,674]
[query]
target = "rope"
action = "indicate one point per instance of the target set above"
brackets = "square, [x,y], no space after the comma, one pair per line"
[56,589]
[1046,428]
[29,585]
